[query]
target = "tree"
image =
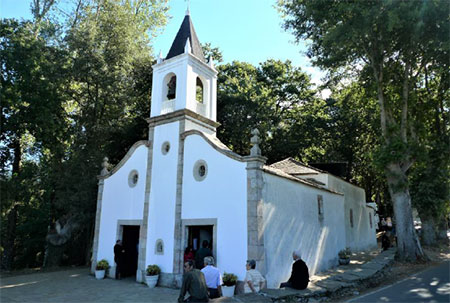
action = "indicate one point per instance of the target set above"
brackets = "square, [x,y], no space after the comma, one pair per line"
[269,97]
[32,119]
[71,94]
[395,41]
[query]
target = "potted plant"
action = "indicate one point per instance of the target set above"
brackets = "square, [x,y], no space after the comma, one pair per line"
[229,284]
[101,268]
[344,256]
[152,275]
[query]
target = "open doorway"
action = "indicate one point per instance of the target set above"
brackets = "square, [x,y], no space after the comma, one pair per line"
[199,233]
[130,242]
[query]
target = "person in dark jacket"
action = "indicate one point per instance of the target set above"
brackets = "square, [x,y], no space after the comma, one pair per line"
[194,283]
[385,242]
[119,254]
[201,254]
[299,277]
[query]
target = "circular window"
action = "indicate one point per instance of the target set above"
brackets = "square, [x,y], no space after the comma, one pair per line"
[133,178]
[165,148]
[200,170]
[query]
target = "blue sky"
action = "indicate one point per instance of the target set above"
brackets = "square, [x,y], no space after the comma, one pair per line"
[244,30]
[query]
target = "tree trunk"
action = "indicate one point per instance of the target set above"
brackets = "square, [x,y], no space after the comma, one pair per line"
[428,231]
[442,228]
[9,252]
[408,245]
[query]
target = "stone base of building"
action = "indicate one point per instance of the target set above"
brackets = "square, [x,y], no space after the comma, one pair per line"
[111,272]
[170,280]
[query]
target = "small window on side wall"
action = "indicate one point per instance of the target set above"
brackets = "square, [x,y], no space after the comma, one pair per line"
[172,88]
[370,219]
[351,218]
[199,90]
[320,206]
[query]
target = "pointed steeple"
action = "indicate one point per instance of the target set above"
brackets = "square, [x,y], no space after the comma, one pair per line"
[186,32]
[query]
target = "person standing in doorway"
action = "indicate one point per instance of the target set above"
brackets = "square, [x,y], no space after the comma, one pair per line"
[201,254]
[119,253]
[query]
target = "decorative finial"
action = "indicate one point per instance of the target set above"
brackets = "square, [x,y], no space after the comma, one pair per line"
[105,165]
[210,62]
[255,140]
[187,47]
[187,9]
[160,58]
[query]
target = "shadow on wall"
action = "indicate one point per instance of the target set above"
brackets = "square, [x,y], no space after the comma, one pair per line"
[287,236]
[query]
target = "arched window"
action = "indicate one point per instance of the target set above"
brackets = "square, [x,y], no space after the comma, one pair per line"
[172,88]
[199,90]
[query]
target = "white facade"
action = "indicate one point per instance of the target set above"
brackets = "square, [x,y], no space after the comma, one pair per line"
[292,221]
[183,181]
[122,202]
[222,195]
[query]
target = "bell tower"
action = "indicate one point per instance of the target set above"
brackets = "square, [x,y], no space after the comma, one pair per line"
[185,80]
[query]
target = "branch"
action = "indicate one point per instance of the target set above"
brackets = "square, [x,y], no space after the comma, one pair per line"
[405,96]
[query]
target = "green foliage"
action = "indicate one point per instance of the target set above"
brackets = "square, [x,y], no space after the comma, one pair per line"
[270,98]
[399,47]
[153,270]
[71,94]
[345,253]
[214,52]
[229,279]
[102,265]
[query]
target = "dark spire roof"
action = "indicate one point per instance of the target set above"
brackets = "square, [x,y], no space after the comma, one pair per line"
[186,31]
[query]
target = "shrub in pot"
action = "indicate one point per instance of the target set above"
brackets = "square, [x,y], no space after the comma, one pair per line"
[101,268]
[344,256]
[229,284]
[152,275]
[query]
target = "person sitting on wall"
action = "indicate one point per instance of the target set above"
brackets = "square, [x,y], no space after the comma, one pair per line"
[213,278]
[299,277]
[201,254]
[194,283]
[188,254]
[253,281]
[119,254]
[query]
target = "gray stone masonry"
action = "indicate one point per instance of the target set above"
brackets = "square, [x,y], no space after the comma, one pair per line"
[255,183]
[341,279]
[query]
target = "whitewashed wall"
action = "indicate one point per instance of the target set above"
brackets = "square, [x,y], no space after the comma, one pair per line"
[121,202]
[361,236]
[161,218]
[291,222]
[222,195]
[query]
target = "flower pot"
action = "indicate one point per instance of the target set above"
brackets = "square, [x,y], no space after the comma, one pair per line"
[151,281]
[344,261]
[228,291]
[100,274]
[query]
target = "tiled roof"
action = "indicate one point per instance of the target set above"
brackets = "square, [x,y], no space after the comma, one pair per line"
[294,167]
[186,31]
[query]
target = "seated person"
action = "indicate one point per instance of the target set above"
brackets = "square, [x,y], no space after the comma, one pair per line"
[299,277]
[194,283]
[213,278]
[253,281]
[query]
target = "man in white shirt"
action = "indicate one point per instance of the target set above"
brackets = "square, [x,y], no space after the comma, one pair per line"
[253,281]
[213,278]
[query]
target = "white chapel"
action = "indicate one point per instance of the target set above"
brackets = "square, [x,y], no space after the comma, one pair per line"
[183,186]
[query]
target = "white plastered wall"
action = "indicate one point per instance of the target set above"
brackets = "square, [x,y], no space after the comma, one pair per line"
[161,217]
[291,222]
[361,236]
[121,202]
[222,195]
